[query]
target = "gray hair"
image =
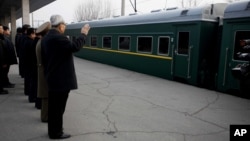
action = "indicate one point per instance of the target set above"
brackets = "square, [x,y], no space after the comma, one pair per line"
[56,20]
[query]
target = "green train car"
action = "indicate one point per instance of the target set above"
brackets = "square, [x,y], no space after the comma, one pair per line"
[176,44]
[236,28]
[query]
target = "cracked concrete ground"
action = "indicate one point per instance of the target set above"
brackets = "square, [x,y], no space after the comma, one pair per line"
[121,105]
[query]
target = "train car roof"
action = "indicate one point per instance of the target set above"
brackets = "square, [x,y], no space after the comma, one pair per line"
[237,10]
[205,13]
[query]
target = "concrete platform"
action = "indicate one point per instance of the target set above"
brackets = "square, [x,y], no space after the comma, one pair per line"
[114,104]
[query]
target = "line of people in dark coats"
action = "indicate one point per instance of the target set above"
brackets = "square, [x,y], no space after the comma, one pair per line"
[25,50]
[26,40]
[46,64]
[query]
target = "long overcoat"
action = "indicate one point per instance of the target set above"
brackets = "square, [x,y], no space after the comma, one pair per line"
[10,51]
[57,58]
[42,88]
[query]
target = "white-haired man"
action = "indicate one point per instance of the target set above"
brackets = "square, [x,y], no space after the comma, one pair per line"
[57,58]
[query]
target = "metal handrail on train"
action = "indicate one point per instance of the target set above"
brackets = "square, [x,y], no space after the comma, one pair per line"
[225,67]
[172,63]
[189,58]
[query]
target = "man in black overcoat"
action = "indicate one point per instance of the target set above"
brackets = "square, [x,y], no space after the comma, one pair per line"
[59,71]
[3,60]
[29,64]
[11,57]
[20,52]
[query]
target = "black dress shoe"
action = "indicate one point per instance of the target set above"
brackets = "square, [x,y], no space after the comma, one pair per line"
[62,136]
[3,92]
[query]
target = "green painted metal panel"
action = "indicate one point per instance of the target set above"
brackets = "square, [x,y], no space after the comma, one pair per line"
[187,66]
[226,82]
[160,67]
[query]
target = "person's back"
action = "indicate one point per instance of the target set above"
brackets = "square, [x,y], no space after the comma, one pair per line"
[59,71]
[58,60]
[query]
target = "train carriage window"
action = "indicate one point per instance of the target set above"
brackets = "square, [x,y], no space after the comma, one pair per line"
[106,42]
[124,43]
[163,46]
[93,41]
[183,43]
[241,42]
[144,44]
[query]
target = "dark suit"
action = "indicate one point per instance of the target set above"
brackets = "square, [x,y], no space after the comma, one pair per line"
[17,43]
[20,53]
[11,52]
[31,62]
[60,74]
[18,46]
[11,59]
[29,66]
[3,61]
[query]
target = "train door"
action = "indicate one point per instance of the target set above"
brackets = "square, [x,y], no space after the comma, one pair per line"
[183,52]
[240,33]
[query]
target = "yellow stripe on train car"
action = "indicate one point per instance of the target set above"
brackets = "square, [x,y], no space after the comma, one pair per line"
[130,53]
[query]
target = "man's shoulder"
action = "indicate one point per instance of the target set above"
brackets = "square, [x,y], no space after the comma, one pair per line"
[54,37]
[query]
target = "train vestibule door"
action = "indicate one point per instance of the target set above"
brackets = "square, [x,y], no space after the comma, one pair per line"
[182,53]
[238,41]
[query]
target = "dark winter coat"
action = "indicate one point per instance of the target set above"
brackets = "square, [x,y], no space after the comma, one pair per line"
[9,51]
[3,56]
[29,55]
[12,58]
[57,58]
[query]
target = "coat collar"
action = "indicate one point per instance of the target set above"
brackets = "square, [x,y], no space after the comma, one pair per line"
[54,31]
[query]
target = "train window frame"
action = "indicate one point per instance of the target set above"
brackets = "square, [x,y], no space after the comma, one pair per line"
[168,47]
[107,36]
[178,44]
[151,48]
[129,44]
[95,41]
[236,45]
